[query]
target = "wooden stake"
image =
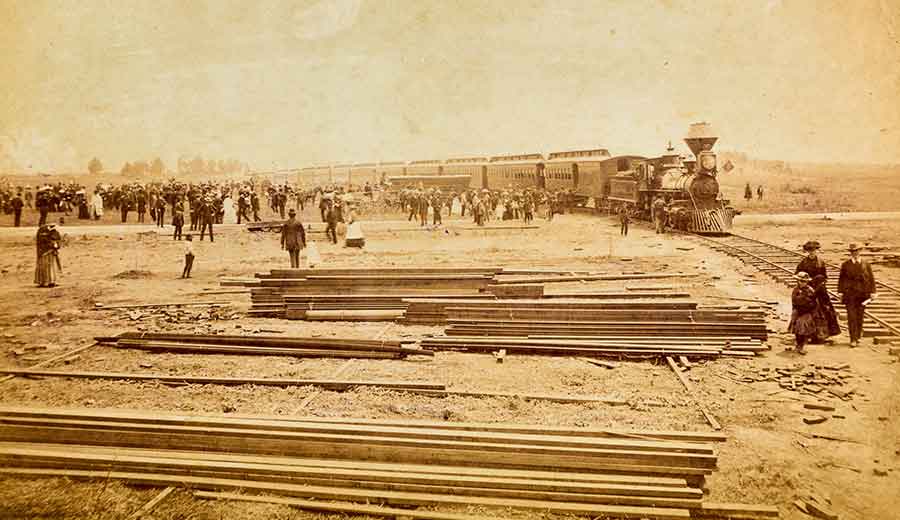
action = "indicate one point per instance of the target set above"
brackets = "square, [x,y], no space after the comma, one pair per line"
[53,360]
[687,385]
[152,503]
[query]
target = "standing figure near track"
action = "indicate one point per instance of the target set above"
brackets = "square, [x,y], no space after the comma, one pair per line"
[803,305]
[293,238]
[856,286]
[48,265]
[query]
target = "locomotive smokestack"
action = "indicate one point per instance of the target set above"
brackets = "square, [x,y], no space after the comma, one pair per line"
[700,137]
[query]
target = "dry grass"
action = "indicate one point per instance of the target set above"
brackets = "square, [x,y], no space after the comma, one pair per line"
[812,188]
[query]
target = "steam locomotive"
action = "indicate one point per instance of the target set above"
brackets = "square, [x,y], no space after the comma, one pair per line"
[686,186]
[590,178]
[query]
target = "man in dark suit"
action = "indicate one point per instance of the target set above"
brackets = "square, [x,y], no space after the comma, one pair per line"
[856,285]
[17,205]
[331,219]
[293,238]
[812,264]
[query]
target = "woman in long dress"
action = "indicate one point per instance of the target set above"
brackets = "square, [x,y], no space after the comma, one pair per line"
[230,212]
[825,316]
[47,243]
[97,206]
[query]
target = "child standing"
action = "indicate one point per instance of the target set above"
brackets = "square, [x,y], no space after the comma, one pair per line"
[188,256]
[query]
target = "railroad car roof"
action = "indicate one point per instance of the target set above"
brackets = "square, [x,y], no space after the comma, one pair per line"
[573,154]
[467,160]
[531,157]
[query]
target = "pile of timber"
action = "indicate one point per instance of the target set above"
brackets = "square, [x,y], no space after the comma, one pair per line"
[264,345]
[268,290]
[588,472]
[328,294]
[439,311]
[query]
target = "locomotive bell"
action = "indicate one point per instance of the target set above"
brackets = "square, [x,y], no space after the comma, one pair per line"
[700,138]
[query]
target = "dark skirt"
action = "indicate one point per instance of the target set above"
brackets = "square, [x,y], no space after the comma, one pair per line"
[802,324]
[47,270]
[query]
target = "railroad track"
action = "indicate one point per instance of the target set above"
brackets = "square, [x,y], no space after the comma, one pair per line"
[882,316]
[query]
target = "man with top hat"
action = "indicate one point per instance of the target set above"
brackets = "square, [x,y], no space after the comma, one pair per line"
[812,264]
[856,286]
[293,238]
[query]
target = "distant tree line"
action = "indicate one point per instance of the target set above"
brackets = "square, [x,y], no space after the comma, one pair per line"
[154,168]
[186,167]
[198,166]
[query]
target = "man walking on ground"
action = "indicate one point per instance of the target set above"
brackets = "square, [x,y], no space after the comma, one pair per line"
[160,211]
[254,205]
[177,220]
[856,286]
[659,214]
[293,238]
[17,205]
[207,213]
[624,219]
[331,218]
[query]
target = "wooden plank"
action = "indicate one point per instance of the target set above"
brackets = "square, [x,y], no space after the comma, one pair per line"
[102,307]
[264,470]
[524,429]
[367,496]
[728,510]
[208,380]
[598,363]
[588,278]
[54,359]
[146,508]
[348,508]
[198,348]
[324,430]
[621,495]
[526,397]
[687,385]
[394,449]
[362,466]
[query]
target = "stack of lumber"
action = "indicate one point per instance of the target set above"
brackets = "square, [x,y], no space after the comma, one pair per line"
[430,309]
[263,345]
[649,320]
[591,472]
[269,289]
[438,311]
[270,292]
[392,306]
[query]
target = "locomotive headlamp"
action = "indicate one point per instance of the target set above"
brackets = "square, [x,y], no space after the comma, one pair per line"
[708,161]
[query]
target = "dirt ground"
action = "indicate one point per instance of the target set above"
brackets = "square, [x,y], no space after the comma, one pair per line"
[771,456]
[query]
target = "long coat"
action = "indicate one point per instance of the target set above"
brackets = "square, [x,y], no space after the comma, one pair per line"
[293,236]
[856,280]
[812,267]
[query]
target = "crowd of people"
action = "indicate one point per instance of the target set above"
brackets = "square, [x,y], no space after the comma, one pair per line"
[482,206]
[201,205]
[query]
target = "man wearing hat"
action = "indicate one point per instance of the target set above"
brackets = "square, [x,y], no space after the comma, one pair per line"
[17,205]
[812,264]
[856,285]
[293,238]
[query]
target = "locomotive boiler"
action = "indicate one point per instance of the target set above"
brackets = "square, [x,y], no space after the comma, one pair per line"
[685,189]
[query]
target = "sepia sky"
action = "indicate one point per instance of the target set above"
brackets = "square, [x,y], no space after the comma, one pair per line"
[288,84]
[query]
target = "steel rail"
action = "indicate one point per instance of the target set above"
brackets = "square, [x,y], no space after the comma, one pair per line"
[832,294]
